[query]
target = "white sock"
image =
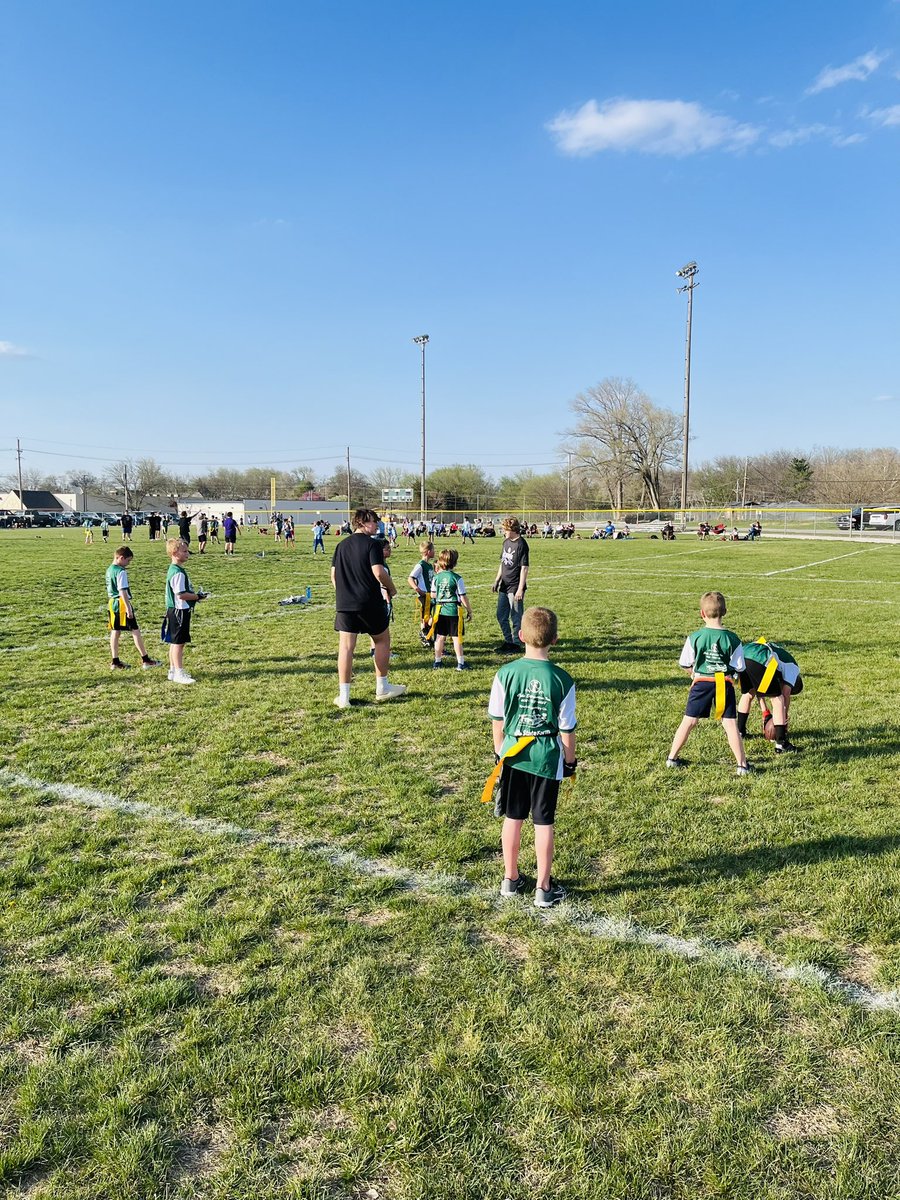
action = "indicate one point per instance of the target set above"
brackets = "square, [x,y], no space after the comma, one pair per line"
[344,691]
[441,659]
[461,661]
[380,684]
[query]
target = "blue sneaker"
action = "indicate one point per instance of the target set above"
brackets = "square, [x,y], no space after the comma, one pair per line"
[462,666]
[437,664]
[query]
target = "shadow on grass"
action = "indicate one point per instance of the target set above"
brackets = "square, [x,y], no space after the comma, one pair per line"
[763,859]
[866,743]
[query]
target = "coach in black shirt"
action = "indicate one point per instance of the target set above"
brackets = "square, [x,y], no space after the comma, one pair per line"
[363,589]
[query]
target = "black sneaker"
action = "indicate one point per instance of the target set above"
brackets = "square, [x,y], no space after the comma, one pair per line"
[119,666]
[784,747]
[746,769]
[510,648]
[515,887]
[549,897]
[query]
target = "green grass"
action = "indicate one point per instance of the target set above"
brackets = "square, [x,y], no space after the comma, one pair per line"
[185,1014]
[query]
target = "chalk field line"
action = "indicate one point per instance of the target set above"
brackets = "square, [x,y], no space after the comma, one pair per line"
[622,930]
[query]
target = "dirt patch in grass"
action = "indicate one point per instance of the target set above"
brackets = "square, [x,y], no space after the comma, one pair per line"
[513,948]
[373,919]
[863,965]
[350,1039]
[805,1124]
[200,1153]
[269,756]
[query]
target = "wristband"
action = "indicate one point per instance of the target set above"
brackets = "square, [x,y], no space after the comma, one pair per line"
[569,768]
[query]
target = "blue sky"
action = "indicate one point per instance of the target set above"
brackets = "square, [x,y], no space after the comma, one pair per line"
[221,224]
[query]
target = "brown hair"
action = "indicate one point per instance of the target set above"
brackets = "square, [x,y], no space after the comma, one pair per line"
[124,552]
[712,604]
[511,524]
[447,559]
[539,627]
[363,516]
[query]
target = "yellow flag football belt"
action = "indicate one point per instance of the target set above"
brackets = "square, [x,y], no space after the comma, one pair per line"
[771,668]
[720,694]
[495,774]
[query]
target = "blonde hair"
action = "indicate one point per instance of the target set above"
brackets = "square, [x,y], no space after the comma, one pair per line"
[712,604]
[539,626]
[447,559]
[173,544]
[423,546]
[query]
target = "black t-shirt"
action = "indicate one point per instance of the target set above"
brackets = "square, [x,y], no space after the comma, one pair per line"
[184,528]
[513,557]
[356,588]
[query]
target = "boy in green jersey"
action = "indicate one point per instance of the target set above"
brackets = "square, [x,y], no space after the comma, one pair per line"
[180,601]
[532,708]
[121,610]
[714,656]
[419,580]
[448,596]
[771,673]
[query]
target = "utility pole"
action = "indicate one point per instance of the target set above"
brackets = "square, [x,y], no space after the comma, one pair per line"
[687,272]
[348,488]
[569,487]
[125,481]
[19,456]
[422,340]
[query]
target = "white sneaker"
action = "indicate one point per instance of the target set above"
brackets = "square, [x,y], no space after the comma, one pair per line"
[391,690]
[341,702]
[182,677]
[171,673]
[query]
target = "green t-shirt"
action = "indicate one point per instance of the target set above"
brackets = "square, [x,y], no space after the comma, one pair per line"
[446,588]
[761,652]
[181,585]
[709,651]
[532,696]
[426,573]
[115,584]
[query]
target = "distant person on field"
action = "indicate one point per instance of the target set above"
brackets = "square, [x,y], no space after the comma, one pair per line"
[318,532]
[88,526]
[774,682]
[214,529]
[230,529]
[127,526]
[359,579]
[202,532]
[714,656]
[184,527]
[104,529]
[180,601]
[121,610]
[532,698]
[510,585]
[448,597]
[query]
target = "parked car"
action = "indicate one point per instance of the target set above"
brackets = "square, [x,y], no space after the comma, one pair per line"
[7,518]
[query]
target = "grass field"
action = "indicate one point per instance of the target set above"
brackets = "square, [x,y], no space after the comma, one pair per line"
[251,945]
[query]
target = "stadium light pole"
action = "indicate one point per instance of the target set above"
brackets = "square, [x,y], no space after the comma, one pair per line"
[687,272]
[422,341]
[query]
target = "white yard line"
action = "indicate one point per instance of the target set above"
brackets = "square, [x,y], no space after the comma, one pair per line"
[818,562]
[623,930]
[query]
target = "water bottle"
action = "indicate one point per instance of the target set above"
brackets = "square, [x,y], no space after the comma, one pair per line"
[308,594]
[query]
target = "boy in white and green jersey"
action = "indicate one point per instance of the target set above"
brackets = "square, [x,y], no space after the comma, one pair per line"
[532,707]
[772,673]
[121,610]
[180,601]
[419,580]
[714,656]
[449,599]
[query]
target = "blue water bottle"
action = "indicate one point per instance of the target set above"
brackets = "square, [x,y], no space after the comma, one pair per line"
[308,594]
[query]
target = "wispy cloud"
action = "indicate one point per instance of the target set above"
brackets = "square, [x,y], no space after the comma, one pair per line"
[886,399]
[848,139]
[796,137]
[861,68]
[885,116]
[667,127]
[10,350]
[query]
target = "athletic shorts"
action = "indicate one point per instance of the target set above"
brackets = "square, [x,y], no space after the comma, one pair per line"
[447,626]
[372,621]
[231,540]
[523,794]
[702,700]
[119,619]
[178,625]
[752,677]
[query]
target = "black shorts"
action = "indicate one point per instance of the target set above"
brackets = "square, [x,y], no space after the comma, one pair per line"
[752,677]
[523,794]
[231,540]
[177,626]
[702,699]
[373,620]
[447,627]
[119,619]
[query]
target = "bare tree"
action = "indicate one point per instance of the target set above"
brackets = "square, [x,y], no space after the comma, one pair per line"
[625,437]
[138,479]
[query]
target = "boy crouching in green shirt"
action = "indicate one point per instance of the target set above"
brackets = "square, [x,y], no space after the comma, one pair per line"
[532,707]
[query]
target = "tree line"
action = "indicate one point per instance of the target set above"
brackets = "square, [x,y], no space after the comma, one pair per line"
[621,451]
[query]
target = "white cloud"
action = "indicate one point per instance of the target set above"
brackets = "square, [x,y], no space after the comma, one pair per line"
[861,68]
[9,350]
[796,137]
[848,139]
[670,127]
[885,116]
